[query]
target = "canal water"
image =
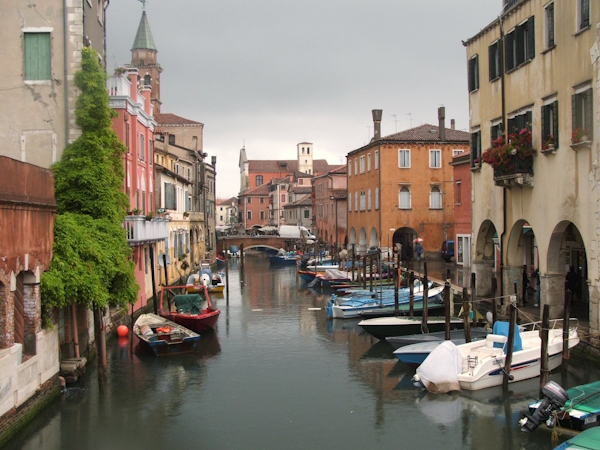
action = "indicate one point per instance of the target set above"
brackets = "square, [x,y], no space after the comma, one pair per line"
[277,374]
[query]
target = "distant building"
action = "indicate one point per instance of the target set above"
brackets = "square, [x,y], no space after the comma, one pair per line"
[462,209]
[226,212]
[330,208]
[400,188]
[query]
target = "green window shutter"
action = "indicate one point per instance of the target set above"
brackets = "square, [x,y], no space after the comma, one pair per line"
[528,121]
[585,13]
[589,109]
[508,51]
[574,119]
[37,56]
[530,38]
[555,124]
[545,122]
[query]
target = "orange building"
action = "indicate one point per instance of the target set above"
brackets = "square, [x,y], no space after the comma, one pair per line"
[400,188]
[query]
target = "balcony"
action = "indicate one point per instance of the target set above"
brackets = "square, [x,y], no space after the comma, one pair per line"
[142,231]
[520,173]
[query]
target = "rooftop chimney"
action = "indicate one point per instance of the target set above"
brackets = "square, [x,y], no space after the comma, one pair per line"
[442,121]
[452,124]
[377,123]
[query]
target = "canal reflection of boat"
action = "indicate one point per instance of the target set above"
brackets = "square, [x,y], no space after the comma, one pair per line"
[379,350]
[383,327]
[193,311]
[164,337]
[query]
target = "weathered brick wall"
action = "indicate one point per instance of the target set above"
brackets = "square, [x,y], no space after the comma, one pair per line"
[17,418]
[7,317]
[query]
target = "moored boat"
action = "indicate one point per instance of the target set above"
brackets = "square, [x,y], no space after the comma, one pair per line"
[164,337]
[437,336]
[193,311]
[481,363]
[383,327]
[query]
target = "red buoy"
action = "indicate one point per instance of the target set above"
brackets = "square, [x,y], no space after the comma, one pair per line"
[122,330]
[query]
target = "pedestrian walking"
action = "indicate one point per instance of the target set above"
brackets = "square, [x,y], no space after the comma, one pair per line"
[572,281]
[538,286]
[525,284]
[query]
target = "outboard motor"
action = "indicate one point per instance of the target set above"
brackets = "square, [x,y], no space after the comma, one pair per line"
[304,262]
[555,398]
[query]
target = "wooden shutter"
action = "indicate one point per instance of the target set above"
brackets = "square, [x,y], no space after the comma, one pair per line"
[170,200]
[37,56]
[585,14]
[555,123]
[589,109]
[530,38]
[509,51]
[545,122]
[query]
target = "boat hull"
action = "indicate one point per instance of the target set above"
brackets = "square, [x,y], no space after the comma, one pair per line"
[149,329]
[383,327]
[526,363]
[197,323]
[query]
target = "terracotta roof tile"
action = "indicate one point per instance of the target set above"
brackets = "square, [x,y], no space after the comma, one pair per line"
[301,189]
[428,133]
[285,165]
[172,119]
[263,190]
[304,201]
[339,194]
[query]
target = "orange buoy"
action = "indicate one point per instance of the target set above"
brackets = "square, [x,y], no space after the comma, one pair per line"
[122,330]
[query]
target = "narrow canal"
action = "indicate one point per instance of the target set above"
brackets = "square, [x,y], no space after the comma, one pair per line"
[277,374]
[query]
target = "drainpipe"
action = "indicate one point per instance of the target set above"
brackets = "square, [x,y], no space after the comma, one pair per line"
[377,127]
[65,70]
[505,134]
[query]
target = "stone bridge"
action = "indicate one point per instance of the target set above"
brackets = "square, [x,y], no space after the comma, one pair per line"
[250,242]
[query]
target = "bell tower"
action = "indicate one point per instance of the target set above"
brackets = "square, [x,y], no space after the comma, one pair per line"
[144,58]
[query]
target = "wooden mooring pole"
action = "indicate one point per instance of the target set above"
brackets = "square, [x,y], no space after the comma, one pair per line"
[424,325]
[411,293]
[466,315]
[447,309]
[566,316]
[364,272]
[227,272]
[544,370]
[242,255]
[510,345]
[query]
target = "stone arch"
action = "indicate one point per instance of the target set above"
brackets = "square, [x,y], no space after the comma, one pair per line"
[486,257]
[362,241]
[27,311]
[373,240]
[566,248]
[405,236]
[352,239]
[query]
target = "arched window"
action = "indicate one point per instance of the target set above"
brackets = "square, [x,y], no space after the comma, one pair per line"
[259,180]
[362,200]
[404,198]
[369,200]
[377,198]
[355,201]
[147,80]
[349,201]
[435,198]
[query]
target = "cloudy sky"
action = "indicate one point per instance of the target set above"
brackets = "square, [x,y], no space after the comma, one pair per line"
[269,74]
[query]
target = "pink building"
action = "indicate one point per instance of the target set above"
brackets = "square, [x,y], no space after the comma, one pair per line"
[134,126]
[461,164]
[330,208]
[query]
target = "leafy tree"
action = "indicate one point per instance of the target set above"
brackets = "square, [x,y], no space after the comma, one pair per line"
[91,262]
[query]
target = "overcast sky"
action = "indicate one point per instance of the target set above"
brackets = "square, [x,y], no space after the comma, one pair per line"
[269,74]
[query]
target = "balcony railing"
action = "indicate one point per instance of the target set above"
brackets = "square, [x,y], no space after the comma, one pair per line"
[141,231]
[519,174]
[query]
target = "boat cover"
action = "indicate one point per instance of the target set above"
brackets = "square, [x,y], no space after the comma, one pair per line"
[335,274]
[439,372]
[188,304]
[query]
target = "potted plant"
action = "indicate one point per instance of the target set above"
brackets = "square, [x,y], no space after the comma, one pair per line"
[548,144]
[120,70]
[579,135]
[136,211]
[186,214]
[150,216]
[504,157]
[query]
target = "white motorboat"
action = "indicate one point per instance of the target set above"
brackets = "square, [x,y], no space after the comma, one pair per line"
[480,364]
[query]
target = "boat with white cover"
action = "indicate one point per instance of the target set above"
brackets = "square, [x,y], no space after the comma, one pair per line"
[480,364]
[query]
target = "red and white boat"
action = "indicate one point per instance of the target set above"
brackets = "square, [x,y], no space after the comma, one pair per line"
[194,311]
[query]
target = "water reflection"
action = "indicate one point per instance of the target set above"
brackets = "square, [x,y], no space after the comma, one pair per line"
[277,374]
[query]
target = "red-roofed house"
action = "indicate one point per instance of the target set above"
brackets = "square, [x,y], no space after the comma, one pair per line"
[400,187]
[330,206]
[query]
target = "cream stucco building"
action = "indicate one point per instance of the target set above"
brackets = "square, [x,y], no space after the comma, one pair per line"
[544,212]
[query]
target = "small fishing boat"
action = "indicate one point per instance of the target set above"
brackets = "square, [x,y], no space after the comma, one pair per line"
[194,311]
[437,336]
[350,307]
[480,364]
[283,258]
[221,260]
[214,282]
[164,337]
[383,327]
[574,410]
[587,440]
[233,252]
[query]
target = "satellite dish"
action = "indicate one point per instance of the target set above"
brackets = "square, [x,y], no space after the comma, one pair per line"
[161,259]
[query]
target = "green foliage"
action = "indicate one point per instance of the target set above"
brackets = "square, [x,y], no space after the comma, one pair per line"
[91,261]
[90,265]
